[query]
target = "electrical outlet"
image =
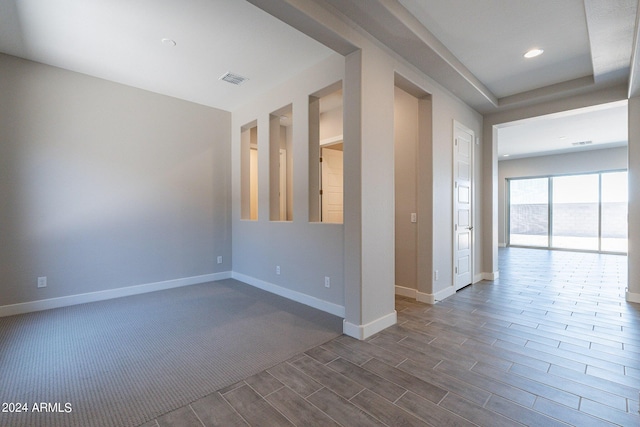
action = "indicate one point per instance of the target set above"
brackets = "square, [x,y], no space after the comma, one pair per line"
[414,217]
[42,282]
[220,260]
[435,275]
[277,269]
[327,281]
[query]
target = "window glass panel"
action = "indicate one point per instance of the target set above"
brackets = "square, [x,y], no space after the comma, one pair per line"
[529,212]
[614,212]
[575,212]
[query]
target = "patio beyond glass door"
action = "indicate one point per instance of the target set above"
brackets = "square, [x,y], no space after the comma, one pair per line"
[575,212]
[529,212]
[614,212]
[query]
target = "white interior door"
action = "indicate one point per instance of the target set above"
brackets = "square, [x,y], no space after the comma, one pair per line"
[332,185]
[253,183]
[463,206]
[283,184]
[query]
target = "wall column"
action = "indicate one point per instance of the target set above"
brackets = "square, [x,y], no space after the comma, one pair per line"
[490,201]
[633,289]
[368,194]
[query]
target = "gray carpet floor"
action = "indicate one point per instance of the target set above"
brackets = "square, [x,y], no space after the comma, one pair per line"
[125,361]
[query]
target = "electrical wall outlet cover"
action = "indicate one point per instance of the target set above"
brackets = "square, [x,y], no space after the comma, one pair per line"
[42,282]
[219,259]
[327,281]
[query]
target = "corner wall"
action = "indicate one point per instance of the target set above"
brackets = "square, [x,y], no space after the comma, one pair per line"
[105,187]
[633,290]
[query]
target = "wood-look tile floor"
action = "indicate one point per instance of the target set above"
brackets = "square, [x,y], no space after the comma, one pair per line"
[551,343]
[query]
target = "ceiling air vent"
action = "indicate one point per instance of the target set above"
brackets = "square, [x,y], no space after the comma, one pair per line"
[576,144]
[233,78]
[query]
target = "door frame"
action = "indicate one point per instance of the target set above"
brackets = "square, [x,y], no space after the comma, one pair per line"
[459,127]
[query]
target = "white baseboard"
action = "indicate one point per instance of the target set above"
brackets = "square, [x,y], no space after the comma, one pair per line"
[491,276]
[502,245]
[632,297]
[477,278]
[445,293]
[305,299]
[406,292]
[46,304]
[362,332]
[425,298]
[433,298]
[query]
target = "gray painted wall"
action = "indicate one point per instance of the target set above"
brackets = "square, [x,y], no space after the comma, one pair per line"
[306,252]
[106,186]
[571,163]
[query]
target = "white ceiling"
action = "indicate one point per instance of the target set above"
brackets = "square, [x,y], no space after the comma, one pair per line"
[585,41]
[490,38]
[120,40]
[604,126]
[472,47]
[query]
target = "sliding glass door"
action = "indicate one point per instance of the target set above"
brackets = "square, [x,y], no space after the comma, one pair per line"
[580,212]
[614,212]
[575,212]
[529,212]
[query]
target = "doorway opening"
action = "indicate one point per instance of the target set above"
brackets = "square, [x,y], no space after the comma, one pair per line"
[576,142]
[413,181]
[554,191]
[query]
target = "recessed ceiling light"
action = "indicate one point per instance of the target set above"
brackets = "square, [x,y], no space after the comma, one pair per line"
[505,155]
[168,42]
[533,53]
